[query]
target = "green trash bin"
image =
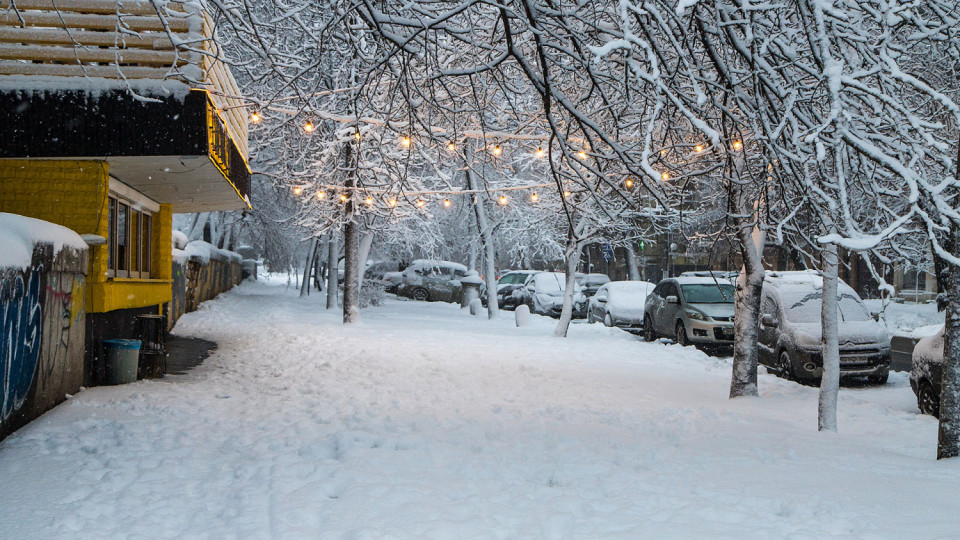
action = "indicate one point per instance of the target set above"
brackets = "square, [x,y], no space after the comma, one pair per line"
[123,355]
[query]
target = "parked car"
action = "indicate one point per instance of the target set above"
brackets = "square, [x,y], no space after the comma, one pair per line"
[592,282]
[386,273]
[620,304]
[692,310]
[927,373]
[509,288]
[790,330]
[437,281]
[544,292]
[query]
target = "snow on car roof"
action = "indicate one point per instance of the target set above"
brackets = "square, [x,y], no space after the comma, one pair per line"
[435,263]
[696,280]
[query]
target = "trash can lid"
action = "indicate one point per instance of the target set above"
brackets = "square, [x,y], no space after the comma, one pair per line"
[122,343]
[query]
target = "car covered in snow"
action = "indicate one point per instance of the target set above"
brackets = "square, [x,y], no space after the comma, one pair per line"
[927,373]
[790,330]
[590,283]
[432,280]
[543,294]
[510,288]
[691,310]
[620,304]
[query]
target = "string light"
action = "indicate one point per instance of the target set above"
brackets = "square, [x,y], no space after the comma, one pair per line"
[421,203]
[451,147]
[297,190]
[308,127]
[737,145]
[629,183]
[321,195]
[566,194]
[582,155]
[368,201]
[664,176]
[392,203]
[357,136]
[663,152]
[503,200]
[497,150]
[534,197]
[540,152]
[405,141]
[446,203]
[255,117]
[698,148]
[343,197]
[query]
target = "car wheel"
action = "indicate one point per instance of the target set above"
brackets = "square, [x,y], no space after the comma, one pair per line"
[420,295]
[927,399]
[648,334]
[881,378]
[681,337]
[784,367]
[608,321]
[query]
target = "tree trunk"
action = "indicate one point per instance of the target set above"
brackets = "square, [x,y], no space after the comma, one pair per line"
[571,262]
[632,270]
[490,255]
[948,443]
[747,316]
[351,246]
[332,252]
[366,242]
[830,342]
[308,267]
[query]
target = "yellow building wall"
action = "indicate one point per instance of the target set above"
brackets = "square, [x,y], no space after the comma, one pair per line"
[75,194]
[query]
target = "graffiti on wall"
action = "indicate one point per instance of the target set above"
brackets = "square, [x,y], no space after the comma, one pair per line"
[21,320]
[63,336]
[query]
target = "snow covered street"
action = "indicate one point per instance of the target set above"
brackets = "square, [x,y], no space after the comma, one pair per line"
[424,422]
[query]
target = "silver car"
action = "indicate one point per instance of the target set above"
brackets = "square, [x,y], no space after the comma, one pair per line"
[691,310]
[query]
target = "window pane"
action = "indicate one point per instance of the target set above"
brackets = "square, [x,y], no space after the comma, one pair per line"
[111,234]
[134,241]
[146,243]
[123,252]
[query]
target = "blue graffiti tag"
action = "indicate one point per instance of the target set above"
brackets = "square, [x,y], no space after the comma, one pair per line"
[20,321]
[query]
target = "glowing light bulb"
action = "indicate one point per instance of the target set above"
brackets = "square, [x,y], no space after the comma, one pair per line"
[392,202]
[451,147]
[343,197]
[503,200]
[699,148]
[297,190]
[420,203]
[405,142]
[566,194]
[368,201]
[321,195]
[497,150]
[534,197]
[446,203]
[356,135]
[629,183]
[665,176]
[663,152]
[737,145]
[540,152]
[582,155]
[308,127]
[255,117]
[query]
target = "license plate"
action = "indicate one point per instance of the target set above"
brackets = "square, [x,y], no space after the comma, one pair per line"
[855,360]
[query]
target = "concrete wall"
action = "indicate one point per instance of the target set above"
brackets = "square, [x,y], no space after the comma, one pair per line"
[198,279]
[42,317]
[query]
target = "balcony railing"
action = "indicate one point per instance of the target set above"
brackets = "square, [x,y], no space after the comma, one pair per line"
[133,42]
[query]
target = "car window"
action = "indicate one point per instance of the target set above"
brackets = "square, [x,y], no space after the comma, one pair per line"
[602,290]
[658,290]
[549,282]
[708,293]
[459,273]
[807,308]
[671,290]
[769,307]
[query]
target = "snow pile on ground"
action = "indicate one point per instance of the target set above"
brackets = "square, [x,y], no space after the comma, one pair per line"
[18,234]
[423,422]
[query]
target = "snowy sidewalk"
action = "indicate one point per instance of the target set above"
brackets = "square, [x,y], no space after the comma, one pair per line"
[422,422]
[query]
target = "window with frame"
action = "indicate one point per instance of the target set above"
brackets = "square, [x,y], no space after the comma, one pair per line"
[130,229]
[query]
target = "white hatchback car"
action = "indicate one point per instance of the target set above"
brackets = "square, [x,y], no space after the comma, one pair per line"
[620,304]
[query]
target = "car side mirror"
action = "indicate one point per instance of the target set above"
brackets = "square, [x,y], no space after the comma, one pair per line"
[672,299]
[768,320]
[601,298]
[875,315]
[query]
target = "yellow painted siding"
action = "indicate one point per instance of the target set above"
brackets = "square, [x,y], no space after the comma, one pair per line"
[75,194]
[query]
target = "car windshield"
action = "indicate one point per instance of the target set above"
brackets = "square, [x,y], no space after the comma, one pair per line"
[708,293]
[549,281]
[807,308]
[512,279]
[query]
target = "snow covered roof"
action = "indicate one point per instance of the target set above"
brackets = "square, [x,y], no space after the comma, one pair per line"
[18,235]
